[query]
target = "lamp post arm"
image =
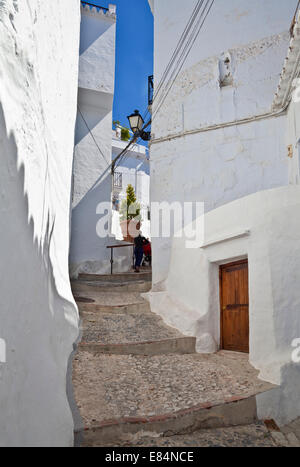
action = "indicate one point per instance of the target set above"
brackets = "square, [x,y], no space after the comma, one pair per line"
[146,135]
[134,139]
[113,164]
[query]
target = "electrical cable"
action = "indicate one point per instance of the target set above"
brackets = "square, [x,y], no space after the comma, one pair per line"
[184,54]
[175,53]
[186,51]
[179,45]
[90,131]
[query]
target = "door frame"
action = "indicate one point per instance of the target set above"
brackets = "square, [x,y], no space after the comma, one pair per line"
[225,265]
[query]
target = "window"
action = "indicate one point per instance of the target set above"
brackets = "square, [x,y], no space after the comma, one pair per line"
[118,180]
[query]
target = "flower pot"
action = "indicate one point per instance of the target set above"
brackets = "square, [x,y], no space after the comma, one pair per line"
[130,229]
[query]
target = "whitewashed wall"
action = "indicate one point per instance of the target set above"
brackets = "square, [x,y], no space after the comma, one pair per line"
[242,173]
[219,166]
[92,181]
[293,135]
[97,46]
[270,221]
[38,318]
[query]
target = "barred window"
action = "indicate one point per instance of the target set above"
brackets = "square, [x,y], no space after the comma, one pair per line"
[118,180]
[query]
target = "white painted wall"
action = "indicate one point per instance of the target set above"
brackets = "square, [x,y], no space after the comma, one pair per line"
[92,181]
[293,135]
[190,301]
[219,166]
[97,45]
[243,175]
[38,317]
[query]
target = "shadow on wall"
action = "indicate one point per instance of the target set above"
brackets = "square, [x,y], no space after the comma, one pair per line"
[38,326]
[282,403]
[86,245]
[88,118]
[92,34]
[89,253]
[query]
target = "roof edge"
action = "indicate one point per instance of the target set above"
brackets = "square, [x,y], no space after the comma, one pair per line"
[106,13]
[151,4]
[291,69]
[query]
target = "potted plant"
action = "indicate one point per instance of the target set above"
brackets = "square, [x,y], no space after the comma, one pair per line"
[130,218]
[125,134]
[122,132]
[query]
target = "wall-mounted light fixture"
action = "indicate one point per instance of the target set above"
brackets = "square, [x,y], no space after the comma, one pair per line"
[136,123]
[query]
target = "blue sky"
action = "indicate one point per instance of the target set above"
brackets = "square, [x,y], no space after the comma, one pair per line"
[134,56]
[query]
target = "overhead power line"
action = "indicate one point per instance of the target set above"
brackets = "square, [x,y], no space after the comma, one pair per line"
[184,54]
[179,45]
[90,132]
[175,65]
[125,150]
[175,53]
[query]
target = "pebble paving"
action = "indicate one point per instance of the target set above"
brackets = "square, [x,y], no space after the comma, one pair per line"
[107,296]
[115,386]
[122,328]
[110,387]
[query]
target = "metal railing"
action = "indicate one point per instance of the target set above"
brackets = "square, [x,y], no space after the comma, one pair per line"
[112,247]
[96,6]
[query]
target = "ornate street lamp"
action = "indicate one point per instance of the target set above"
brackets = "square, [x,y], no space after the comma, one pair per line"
[137,126]
[136,123]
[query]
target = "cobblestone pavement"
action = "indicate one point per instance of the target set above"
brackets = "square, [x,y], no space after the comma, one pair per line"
[110,388]
[292,433]
[121,328]
[105,296]
[116,386]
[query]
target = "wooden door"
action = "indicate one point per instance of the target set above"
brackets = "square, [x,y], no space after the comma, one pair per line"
[234,297]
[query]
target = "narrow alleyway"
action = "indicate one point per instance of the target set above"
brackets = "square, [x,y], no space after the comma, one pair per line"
[138,382]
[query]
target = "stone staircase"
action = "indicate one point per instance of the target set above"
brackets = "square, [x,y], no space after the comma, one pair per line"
[138,382]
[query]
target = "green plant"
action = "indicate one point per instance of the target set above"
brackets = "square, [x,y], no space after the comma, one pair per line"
[130,208]
[125,134]
[116,123]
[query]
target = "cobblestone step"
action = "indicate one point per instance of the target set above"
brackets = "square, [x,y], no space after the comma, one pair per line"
[181,345]
[289,435]
[140,382]
[123,277]
[91,297]
[134,332]
[115,287]
[163,395]
[254,435]
[132,308]
[122,323]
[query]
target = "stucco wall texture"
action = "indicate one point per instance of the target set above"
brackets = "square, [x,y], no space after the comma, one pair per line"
[39,44]
[244,177]
[217,167]
[92,181]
